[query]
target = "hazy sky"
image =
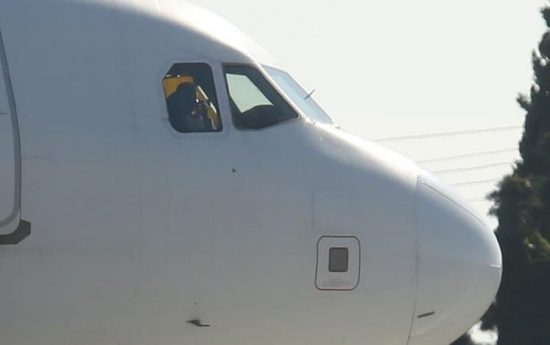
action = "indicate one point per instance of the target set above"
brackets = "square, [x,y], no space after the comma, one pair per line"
[392,68]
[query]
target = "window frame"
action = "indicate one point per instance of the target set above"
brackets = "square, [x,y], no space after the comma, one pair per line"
[272,84]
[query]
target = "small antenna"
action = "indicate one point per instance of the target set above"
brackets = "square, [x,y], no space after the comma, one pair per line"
[309,94]
[198,323]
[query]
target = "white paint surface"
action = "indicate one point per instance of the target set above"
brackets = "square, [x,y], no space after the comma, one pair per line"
[7,161]
[137,229]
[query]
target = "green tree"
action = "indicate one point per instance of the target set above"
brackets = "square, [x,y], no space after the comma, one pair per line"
[522,205]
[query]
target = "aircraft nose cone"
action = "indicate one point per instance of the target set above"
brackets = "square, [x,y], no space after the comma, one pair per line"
[459,266]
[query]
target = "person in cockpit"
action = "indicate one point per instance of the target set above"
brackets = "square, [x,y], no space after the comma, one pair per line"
[185,112]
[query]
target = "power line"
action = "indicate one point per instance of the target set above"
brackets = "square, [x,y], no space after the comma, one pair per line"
[467,183]
[476,167]
[466,155]
[447,134]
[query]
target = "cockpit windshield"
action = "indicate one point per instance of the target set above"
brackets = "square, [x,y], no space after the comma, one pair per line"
[298,95]
[254,102]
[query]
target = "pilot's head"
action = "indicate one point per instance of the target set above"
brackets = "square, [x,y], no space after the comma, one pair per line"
[185,97]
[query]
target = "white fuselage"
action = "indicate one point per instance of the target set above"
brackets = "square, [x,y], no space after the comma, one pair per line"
[137,229]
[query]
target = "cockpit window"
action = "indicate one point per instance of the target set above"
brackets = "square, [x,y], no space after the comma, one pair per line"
[191,98]
[299,96]
[254,102]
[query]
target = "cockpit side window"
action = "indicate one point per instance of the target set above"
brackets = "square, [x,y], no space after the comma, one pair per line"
[191,98]
[255,104]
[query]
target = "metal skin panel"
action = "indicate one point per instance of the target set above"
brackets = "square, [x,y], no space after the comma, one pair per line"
[459,266]
[142,234]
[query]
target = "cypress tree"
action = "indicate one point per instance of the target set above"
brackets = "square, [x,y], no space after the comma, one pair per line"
[521,312]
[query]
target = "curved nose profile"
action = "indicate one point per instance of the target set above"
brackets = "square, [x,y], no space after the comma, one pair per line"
[459,266]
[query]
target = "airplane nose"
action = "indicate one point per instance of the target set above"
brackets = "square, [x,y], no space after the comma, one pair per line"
[459,266]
